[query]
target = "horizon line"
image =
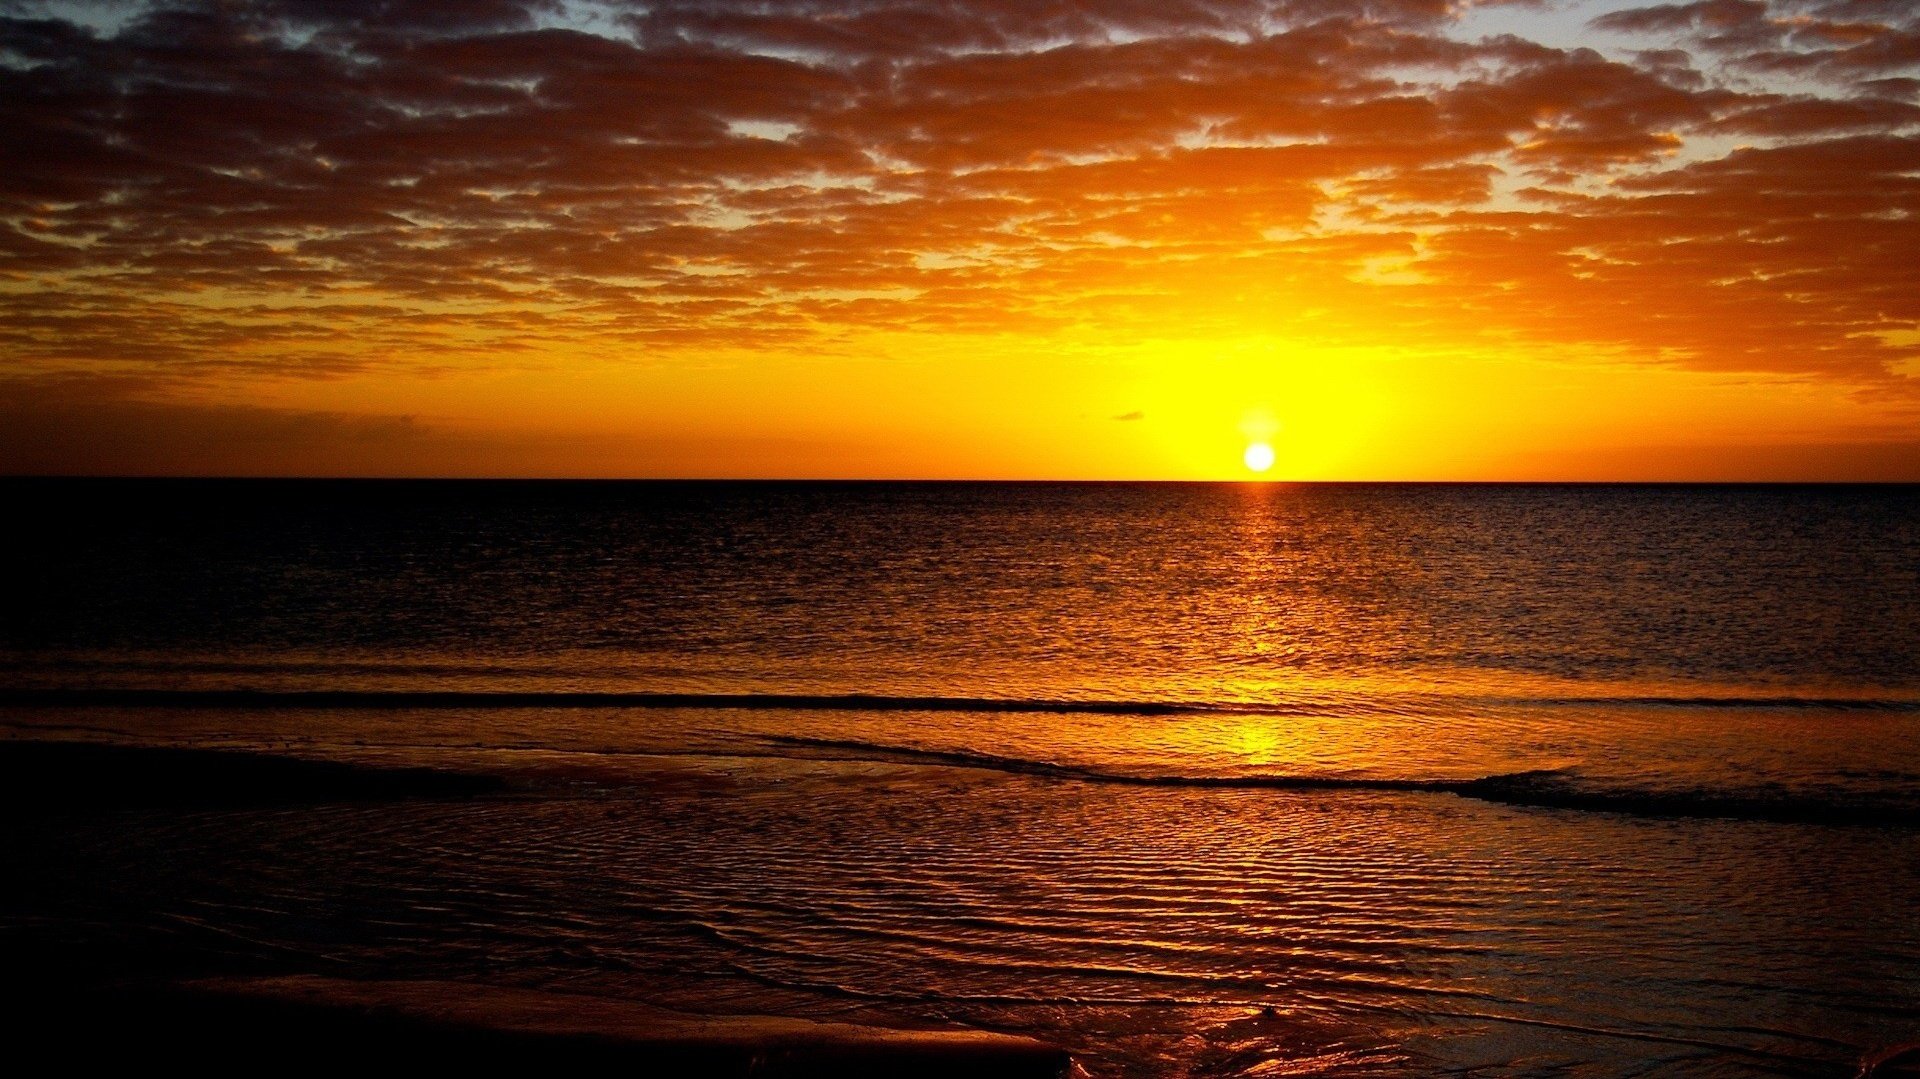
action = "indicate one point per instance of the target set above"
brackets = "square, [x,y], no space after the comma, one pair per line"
[1028,480]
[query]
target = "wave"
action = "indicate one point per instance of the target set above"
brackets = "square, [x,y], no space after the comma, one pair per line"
[380,699]
[400,699]
[875,751]
[1538,789]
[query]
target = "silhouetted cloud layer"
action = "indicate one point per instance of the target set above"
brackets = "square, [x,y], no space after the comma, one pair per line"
[311,187]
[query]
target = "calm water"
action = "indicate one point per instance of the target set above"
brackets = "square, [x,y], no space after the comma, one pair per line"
[1206,780]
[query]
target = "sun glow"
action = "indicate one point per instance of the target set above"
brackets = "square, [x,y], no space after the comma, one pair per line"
[1259,457]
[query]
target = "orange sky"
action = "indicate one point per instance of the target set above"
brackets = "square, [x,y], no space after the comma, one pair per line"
[1395,239]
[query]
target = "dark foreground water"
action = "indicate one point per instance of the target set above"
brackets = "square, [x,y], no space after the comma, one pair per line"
[1197,780]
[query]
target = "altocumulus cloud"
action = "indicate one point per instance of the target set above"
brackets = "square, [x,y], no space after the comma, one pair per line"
[298,188]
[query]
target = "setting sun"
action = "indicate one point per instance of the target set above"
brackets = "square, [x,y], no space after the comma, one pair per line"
[1259,457]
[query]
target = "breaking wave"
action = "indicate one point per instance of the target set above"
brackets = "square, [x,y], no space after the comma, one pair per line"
[1539,788]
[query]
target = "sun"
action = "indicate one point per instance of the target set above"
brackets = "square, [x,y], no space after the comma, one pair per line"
[1259,456]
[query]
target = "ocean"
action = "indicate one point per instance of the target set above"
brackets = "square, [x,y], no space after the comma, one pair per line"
[1202,780]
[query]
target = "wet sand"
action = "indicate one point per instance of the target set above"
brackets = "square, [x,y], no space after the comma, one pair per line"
[245,1025]
[89,1012]
[83,775]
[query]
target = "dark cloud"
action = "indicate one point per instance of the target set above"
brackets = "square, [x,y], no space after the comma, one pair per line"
[134,426]
[91,426]
[1840,39]
[1716,20]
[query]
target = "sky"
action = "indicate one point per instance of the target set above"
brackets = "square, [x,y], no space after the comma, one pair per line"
[1386,239]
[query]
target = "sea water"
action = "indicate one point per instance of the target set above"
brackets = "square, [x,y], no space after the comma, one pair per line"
[1193,779]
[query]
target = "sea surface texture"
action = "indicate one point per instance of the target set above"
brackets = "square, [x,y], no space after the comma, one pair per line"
[1206,780]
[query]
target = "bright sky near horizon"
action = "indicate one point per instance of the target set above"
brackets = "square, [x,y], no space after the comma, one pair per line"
[1391,239]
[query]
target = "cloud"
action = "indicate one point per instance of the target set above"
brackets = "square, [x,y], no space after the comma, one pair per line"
[121,426]
[196,192]
[1131,417]
[87,427]
[1839,39]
